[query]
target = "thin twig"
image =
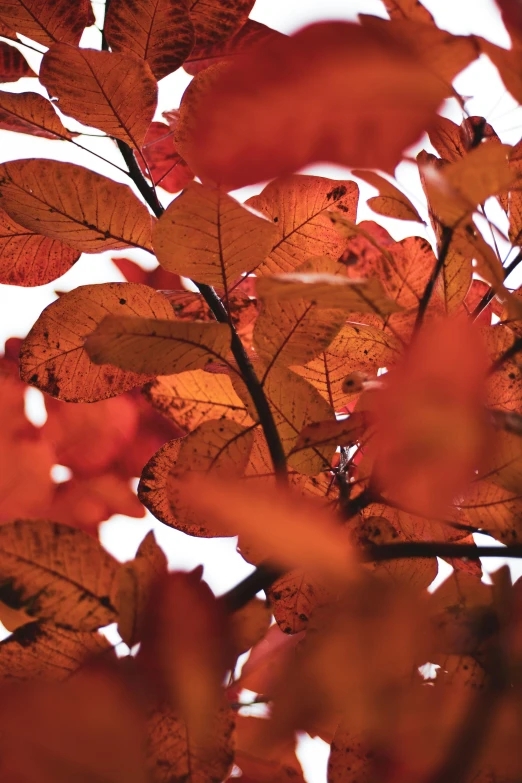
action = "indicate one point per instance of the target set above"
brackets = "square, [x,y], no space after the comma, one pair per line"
[489,295]
[431,549]
[447,235]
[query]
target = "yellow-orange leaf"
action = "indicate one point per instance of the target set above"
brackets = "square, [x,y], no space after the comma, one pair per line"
[190,398]
[390,202]
[291,532]
[160,32]
[116,93]
[31,113]
[46,651]
[298,206]
[31,259]
[327,290]
[47,22]
[57,573]
[42,195]
[157,347]
[53,356]
[218,446]
[207,235]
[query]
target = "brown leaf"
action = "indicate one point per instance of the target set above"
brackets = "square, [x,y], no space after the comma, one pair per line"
[251,34]
[48,22]
[174,755]
[137,580]
[495,510]
[31,113]
[122,90]
[207,235]
[57,573]
[53,356]
[216,446]
[190,398]
[157,347]
[160,32]
[31,259]
[251,96]
[46,651]
[13,65]
[342,432]
[165,164]
[218,20]
[42,195]
[390,202]
[298,206]
[294,596]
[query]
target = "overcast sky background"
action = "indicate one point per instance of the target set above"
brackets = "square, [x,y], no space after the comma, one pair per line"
[20,307]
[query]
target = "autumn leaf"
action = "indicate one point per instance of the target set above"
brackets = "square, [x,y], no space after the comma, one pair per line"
[189,398]
[122,90]
[42,195]
[58,362]
[157,347]
[48,22]
[298,206]
[290,532]
[171,750]
[390,202]
[31,113]
[48,652]
[13,65]
[349,61]
[207,235]
[165,164]
[57,573]
[249,625]
[31,259]
[217,20]
[215,446]
[161,32]
[137,581]
[408,9]
[251,34]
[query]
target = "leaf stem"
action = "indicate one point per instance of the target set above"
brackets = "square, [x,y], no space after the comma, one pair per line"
[488,296]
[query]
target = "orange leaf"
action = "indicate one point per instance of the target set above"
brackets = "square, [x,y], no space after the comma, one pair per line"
[53,356]
[160,32]
[31,113]
[13,65]
[357,79]
[122,90]
[48,22]
[42,195]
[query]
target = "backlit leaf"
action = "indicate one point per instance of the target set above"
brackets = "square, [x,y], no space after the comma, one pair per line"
[219,446]
[160,32]
[137,580]
[121,90]
[495,510]
[249,624]
[357,79]
[288,530]
[167,167]
[42,195]
[190,398]
[408,9]
[207,235]
[157,347]
[31,113]
[48,22]
[390,202]
[217,20]
[48,652]
[53,355]
[31,259]
[298,206]
[13,65]
[293,598]
[57,573]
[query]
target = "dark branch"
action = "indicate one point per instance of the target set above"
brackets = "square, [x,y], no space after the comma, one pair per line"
[489,295]
[261,579]
[447,235]
[430,549]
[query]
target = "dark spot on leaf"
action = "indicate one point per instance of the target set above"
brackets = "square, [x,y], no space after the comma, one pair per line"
[336,193]
[123,301]
[28,634]
[11,595]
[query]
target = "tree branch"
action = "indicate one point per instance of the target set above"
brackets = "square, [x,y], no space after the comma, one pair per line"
[489,295]
[447,235]
[430,549]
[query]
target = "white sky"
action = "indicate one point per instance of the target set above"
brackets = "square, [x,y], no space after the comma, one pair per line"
[20,307]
